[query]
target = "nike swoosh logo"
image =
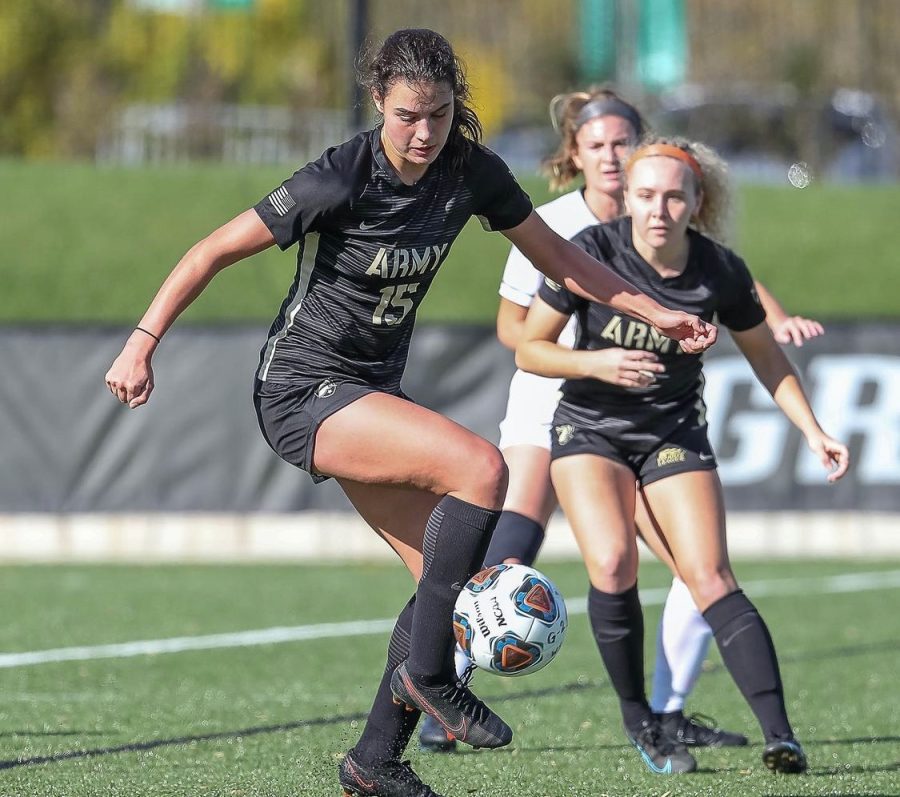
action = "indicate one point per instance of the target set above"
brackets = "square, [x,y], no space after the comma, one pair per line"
[728,640]
[364,226]
[459,732]
[664,770]
[705,457]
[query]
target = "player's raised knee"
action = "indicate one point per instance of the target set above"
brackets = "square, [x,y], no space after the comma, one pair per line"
[484,476]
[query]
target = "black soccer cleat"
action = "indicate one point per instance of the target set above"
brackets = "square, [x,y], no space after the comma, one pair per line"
[786,756]
[433,738]
[386,779]
[698,730]
[455,708]
[661,753]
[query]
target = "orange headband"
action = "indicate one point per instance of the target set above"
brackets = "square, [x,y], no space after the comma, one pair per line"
[668,151]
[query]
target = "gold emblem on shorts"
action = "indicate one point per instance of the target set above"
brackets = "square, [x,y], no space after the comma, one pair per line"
[564,433]
[669,456]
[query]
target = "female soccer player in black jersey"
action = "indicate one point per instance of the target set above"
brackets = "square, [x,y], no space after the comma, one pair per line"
[647,424]
[374,218]
[598,131]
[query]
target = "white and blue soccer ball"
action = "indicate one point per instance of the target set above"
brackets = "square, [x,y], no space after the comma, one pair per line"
[510,620]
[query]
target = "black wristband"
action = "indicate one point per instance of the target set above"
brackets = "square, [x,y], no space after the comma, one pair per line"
[147,332]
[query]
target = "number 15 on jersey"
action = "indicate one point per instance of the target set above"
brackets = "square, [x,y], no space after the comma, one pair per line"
[394,298]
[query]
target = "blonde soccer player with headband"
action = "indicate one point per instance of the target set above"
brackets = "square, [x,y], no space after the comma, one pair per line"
[648,425]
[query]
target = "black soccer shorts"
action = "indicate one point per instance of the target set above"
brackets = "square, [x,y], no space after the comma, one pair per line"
[290,415]
[681,450]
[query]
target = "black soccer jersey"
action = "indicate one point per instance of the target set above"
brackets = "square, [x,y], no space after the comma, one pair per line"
[714,283]
[369,248]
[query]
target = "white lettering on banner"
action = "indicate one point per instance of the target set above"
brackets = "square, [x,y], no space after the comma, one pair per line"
[760,431]
[839,384]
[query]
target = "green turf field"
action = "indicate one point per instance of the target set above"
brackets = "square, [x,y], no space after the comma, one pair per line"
[274,720]
[83,244]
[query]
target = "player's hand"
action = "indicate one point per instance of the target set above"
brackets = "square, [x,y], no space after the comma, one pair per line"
[833,455]
[693,334]
[624,367]
[796,329]
[130,378]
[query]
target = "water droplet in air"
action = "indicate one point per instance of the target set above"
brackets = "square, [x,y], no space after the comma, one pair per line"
[798,175]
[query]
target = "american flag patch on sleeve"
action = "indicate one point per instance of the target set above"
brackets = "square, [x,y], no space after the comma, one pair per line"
[281,200]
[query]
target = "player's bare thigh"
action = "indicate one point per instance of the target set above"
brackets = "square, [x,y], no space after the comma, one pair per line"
[397,514]
[597,495]
[530,492]
[649,531]
[690,513]
[383,439]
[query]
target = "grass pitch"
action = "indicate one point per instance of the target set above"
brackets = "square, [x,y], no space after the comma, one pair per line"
[275,719]
[109,236]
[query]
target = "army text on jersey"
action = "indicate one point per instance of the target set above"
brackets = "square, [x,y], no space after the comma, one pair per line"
[714,283]
[369,248]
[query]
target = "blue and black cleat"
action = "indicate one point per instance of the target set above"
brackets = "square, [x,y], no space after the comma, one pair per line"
[661,753]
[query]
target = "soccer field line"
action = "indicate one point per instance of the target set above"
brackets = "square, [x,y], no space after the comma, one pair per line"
[842,583]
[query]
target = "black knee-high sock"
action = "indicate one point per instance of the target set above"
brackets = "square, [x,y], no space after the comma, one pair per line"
[618,624]
[747,650]
[389,726]
[456,539]
[516,537]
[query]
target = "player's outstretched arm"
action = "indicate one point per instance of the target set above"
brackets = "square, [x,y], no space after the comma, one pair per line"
[580,273]
[130,378]
[778,376]
[539,353]
[786,328]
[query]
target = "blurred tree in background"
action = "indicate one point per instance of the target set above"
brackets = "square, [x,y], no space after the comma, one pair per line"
[70,69]
[66,67]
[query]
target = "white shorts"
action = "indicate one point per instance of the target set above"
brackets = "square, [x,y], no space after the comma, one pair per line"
[529,411]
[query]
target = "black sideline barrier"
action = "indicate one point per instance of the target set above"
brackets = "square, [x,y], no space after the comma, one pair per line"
[68,446]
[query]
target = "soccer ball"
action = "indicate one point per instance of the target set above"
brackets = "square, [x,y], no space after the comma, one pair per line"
[510,620]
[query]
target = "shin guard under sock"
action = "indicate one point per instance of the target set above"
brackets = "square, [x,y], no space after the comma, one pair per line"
[516,537]
[456,539]
[617,621]
[749,654]
[389,726]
